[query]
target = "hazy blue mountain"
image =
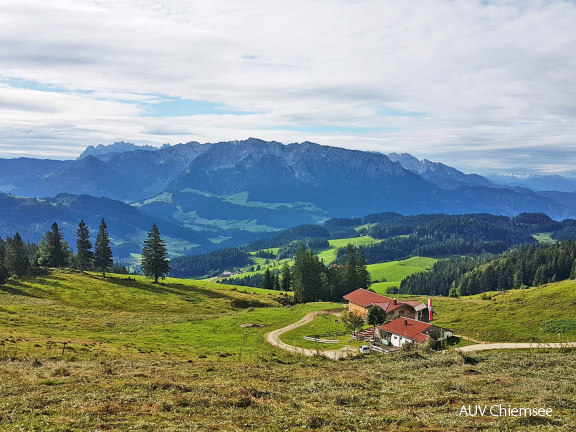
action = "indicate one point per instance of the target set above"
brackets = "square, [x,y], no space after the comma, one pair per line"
[20,175]
[128,227]
[536,182]
[105,152]
[234,190]
[441,175]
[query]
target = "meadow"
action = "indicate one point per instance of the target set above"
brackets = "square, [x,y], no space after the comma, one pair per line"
[395,271]
[405,392]
[173,357]
[126,315]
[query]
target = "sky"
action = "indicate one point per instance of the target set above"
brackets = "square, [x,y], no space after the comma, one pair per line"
[484,86]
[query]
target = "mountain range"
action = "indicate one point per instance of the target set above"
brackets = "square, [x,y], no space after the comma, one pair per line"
[210,195]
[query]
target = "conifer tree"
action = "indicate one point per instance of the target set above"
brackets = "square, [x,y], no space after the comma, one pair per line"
[155,262]
[286,284]
[4,275]
[308,277]
[17,261]
[53,249]
[102,251]
[84,246]
[364,279]
[268,282]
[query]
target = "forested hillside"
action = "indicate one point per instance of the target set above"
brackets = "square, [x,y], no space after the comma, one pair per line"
[522,267]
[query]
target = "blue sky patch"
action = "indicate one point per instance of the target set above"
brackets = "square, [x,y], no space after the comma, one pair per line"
[386,111]
[31,85]
[176,107]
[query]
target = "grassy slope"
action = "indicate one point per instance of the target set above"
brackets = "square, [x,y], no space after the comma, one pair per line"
[106,384]
[117,315]
[513,316]
[395,271]
[329,255]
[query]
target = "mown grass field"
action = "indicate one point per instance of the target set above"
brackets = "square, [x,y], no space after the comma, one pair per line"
[173,357]
[406,392]
[329,255]
[395,271]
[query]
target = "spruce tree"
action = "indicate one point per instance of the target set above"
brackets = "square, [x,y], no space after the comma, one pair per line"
[53,249]
[102,251]
[268,282]
[4,275]
[364,279]
[286,284]
[308,277]
[17,261]
[83,246]
[155,262]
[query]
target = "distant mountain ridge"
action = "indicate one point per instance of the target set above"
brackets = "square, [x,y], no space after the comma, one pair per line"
[104,151]
[441,175]
[229,191]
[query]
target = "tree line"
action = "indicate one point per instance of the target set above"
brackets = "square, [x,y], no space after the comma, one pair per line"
[211,263]
[20,259]
[522,267]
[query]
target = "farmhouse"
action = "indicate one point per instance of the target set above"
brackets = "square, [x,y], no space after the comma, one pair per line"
[360,300]
[406,330]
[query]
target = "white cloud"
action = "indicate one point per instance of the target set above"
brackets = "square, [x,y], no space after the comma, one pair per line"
[488,79]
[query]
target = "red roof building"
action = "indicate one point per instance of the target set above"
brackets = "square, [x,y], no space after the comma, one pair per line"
[406,330]
[360,300]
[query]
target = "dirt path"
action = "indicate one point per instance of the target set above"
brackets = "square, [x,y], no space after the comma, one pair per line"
[273,338]
[519,345]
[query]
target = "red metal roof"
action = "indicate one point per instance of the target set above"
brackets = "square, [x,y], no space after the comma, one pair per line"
[407,328]
[365,298]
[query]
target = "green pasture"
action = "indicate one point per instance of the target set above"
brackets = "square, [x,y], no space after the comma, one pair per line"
[329,255]
[322,324]
[120,315]
[395,271]
[540,314]
[544,238]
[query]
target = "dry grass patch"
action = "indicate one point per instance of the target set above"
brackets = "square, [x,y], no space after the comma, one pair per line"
[405,392]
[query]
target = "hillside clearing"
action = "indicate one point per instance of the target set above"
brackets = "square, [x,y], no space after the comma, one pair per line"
[121,315]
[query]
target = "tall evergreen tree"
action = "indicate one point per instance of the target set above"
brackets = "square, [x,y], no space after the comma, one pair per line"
[268,282]
[17,261]
[102,251]
[4,275]
[155,262]
[364,279]
[286,284]
[83,246]
[53,249]
[308,277]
